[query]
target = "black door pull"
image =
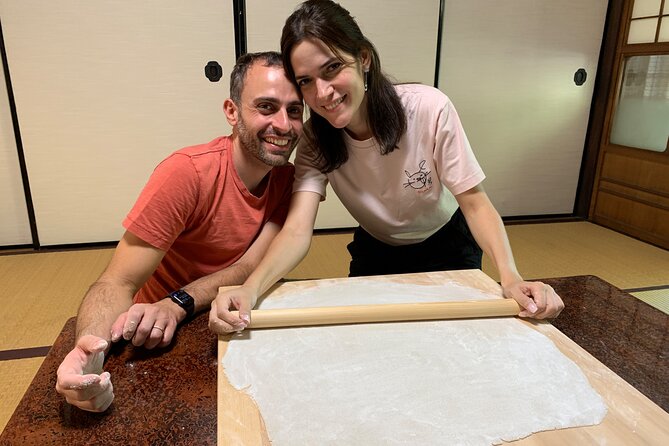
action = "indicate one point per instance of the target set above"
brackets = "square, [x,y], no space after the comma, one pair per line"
[213,71]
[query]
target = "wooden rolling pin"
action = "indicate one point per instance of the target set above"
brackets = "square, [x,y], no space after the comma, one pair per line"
[358,314]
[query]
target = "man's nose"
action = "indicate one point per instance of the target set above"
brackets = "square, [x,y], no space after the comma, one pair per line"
[281,121]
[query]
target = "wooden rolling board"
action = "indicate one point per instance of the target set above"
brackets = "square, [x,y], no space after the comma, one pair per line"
[631,419]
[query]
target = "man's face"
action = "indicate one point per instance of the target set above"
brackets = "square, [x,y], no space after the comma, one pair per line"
[270,116]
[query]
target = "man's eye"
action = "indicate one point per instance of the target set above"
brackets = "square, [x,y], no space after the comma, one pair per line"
[297,111]
[265,108]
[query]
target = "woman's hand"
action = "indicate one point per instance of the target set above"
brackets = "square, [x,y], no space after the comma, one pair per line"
[539,300]
[222,320]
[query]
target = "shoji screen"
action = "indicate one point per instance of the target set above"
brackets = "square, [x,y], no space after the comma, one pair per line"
[104,91]
[509,69]
[405,34]
[14,226]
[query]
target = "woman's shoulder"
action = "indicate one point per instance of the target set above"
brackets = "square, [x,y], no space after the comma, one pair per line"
[419,96]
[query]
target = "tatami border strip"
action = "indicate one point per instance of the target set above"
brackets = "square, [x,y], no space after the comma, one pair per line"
[23,353]
[648,288]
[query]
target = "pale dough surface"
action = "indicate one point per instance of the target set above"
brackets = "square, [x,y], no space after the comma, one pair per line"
[465,382]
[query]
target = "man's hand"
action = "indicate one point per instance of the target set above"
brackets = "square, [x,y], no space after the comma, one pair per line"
[221,320]
[148,325]
[539,300]
[80,379]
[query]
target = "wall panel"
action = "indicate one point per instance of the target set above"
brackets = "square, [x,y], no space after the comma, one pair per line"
[509,69]
[14,224]
[104,91]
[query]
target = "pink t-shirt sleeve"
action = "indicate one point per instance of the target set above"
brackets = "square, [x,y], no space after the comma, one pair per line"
[166,203]
[308,177]
[458,168]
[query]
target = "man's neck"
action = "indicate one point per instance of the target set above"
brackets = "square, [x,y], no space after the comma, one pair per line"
[251,170]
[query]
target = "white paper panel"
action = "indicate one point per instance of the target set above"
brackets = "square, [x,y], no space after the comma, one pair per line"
[404,33]
[664,29]
[104,91]
[642,31]
[644,8]
[509,68]
[14,224]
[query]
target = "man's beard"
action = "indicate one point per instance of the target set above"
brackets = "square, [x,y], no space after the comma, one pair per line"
[253,145]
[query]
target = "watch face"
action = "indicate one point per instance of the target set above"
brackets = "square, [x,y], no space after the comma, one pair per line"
[184,300]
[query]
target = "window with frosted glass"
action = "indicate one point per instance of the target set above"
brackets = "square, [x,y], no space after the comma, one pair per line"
[642,115]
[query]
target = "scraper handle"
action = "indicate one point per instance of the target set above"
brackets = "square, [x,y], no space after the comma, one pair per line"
[359,314]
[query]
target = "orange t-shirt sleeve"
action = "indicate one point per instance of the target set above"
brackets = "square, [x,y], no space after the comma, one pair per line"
[166,204]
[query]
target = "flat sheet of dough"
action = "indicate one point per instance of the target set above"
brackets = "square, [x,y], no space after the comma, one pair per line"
[465,382]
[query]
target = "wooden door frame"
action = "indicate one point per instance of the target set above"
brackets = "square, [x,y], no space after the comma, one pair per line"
[606,74]
[609,75]
[600,147]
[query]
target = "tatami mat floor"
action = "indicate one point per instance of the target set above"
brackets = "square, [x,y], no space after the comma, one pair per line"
[43,290]
[656,298]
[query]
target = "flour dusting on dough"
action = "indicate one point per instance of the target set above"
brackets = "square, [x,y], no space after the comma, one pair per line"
[465,382]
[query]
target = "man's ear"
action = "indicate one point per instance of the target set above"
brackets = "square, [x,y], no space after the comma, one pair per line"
[231,112]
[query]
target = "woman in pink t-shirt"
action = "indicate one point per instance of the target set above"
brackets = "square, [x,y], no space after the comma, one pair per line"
[398,159]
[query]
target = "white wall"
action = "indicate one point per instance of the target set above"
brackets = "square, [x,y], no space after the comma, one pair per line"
[106,89]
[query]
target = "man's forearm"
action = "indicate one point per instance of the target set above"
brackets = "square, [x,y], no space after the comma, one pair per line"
[103,303]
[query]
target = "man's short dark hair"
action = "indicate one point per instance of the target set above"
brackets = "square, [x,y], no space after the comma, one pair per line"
[246,61]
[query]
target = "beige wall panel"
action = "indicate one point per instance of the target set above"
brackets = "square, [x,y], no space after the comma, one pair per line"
[14,224]
[104,91]
[404,33]
[509,67]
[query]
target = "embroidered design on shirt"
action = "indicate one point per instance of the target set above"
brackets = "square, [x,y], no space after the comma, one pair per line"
[419,180]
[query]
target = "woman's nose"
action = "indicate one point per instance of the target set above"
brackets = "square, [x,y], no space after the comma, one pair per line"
[323,88]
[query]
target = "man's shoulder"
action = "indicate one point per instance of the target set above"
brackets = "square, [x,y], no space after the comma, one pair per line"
[213,148]
[195,161]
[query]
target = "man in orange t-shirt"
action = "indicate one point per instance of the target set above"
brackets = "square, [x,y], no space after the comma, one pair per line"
[204,220]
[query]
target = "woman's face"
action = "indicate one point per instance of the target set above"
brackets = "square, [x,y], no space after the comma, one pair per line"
[332,88]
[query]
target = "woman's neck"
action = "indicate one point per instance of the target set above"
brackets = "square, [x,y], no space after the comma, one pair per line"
[359,127]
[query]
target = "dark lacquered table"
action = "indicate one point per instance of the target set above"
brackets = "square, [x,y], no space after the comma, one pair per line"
[168,397]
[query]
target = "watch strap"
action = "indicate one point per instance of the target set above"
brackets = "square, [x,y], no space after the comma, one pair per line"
[184,300]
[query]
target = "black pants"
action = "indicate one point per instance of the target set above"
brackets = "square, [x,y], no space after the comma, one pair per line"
[451,248]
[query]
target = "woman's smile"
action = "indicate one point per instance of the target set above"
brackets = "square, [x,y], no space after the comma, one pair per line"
[331,106]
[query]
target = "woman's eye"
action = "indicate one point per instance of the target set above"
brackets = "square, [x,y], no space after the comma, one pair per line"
[302,82]
[334,66]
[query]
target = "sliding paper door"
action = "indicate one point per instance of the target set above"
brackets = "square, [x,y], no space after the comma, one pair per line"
[104,91]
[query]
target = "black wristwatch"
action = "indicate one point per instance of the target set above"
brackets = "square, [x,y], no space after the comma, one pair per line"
[184,300]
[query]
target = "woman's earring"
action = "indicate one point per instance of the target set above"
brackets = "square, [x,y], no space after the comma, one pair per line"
[366,72]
